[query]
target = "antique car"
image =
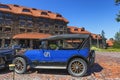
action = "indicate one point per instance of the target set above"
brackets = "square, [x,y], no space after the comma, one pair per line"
[68,51]
[6,57]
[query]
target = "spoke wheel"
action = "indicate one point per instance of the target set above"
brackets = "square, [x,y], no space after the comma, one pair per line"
[77,67]
[20,65]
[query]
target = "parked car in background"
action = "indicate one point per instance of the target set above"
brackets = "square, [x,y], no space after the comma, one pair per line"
[68,51]
[7,55]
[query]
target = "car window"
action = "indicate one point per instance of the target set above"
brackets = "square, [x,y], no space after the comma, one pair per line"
[72,43]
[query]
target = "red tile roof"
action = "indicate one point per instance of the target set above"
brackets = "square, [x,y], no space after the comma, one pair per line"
[33,35]
[110,43]
[16,9]
[96,36]
[78,31]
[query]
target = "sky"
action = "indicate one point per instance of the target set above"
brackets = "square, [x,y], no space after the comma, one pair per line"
[93,15]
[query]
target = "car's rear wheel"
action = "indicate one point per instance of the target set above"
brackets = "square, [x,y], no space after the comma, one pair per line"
[77,67]
[20,65]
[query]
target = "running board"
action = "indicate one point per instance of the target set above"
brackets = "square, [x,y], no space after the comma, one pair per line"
[50,67]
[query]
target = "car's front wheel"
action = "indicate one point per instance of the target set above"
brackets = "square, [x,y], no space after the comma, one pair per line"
[77,67]
[20,65]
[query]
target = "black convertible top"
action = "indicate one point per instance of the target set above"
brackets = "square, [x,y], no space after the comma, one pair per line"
[67,36]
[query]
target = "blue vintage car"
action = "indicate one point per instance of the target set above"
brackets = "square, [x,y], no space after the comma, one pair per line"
[68,51]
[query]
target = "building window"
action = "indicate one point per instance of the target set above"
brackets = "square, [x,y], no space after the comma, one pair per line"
[75,29]
[1,21]
[0,28]
[61,32]
[56,32]
[40,25]
[56,26]
[1,15]
[8,22]
[68,29]
[22,30]
[5,7]
[61,27]
[58,15]
[7,43]
[7,30]
[25,10]
[29,24]
[29,30]
[46,25]
[22,23]
[8,16]
[46,31]
[22,17]
[29,18]
[43,13]
[40,31]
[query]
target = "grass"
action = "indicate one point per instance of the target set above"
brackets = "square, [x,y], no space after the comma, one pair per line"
[106,50]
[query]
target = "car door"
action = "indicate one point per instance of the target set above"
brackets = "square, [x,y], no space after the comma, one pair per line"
[61,55]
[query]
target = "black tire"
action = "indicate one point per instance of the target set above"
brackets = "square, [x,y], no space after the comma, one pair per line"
[20,65]
[77,67]
[92,58]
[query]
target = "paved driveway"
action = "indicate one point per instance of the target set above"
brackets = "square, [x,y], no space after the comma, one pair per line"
[107,67]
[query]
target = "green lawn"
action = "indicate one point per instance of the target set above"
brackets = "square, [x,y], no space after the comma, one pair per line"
[106,50]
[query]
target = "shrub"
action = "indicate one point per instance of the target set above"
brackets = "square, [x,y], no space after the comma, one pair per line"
[116,44]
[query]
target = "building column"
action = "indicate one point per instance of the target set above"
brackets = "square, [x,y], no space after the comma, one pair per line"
[3,43]
[90,41]
[98,42]
[0,43]
[31,43]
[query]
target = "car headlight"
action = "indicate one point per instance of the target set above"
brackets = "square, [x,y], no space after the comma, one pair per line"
[2,61]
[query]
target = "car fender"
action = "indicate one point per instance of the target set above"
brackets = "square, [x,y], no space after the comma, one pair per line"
[77,56]
[24,57]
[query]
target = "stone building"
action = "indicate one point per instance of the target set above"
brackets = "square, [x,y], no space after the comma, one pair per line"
[16,20]
[96,40]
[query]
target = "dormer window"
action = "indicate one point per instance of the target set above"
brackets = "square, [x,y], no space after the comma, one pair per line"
[4,6]
[34,9]
[16,5]
[82,29]
[49,12]
[25,10]
[76,29]
[58,15]
[43,13]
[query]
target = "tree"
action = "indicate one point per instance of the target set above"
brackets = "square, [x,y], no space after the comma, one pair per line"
[117,36]
[117,40]
[118,15]
[103,39]
[117,2]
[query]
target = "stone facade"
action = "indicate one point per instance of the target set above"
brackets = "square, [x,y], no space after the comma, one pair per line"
[15,19]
